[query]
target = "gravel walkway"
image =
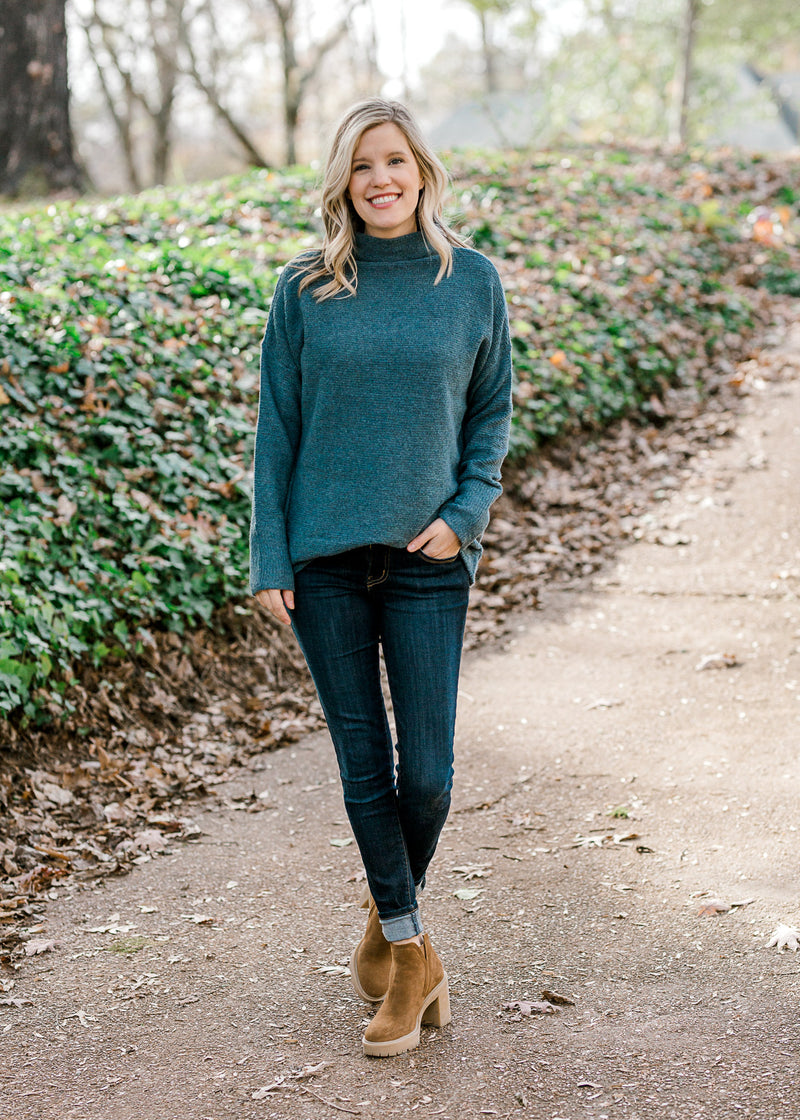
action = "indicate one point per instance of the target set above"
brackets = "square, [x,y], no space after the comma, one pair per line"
[624,837]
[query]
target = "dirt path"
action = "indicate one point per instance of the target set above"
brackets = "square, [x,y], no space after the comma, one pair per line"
[218,989]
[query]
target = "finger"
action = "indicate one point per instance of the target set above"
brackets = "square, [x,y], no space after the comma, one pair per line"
[277,607]
[272,601]
[288,598]
[420,540]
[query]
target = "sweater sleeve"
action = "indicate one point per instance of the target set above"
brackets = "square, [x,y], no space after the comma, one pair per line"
[276,442]
[485,429]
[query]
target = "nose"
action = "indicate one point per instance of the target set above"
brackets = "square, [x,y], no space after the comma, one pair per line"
[380,175]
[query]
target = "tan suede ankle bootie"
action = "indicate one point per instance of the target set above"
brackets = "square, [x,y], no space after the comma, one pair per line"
[371,960]
[418,993]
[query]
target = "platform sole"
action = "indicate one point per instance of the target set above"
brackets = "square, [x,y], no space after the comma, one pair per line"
[435,1011]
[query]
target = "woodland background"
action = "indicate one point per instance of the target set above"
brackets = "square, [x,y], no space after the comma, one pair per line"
[168,91]
[644,270]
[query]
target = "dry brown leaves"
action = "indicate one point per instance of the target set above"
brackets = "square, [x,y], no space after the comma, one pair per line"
[564,514]
[109,790]
[174,724]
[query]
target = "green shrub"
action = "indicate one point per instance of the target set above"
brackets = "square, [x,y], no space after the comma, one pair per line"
[129,336]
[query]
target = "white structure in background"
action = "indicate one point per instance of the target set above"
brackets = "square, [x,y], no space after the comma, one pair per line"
[762,114]
[765,113]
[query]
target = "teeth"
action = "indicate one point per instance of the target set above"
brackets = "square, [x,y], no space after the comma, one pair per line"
[384,198]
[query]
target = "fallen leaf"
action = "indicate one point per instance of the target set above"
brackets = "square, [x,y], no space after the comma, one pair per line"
[33,948]
[712,907]
[265,1090]
[311,1069]
[53,793]
[554,997]
[717,661]
[467,893]
[149,840]
[530,1007]
[671,538]
[342,843]
[198,919]
[473,871]
[783,938]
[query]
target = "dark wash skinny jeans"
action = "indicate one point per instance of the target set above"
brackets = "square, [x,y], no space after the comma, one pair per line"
[347,608]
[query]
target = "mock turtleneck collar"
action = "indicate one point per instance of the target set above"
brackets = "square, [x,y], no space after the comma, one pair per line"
[409,247]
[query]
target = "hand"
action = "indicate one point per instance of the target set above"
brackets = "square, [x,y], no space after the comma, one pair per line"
[276,602]
[437,541]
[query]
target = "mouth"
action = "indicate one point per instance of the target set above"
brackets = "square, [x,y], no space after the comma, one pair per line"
[381,201]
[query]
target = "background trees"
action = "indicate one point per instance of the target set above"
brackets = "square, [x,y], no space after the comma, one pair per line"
[665,69]
[169,90]
[36,153]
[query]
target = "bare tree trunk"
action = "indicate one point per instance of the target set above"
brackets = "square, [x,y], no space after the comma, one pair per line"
[208,87]
[131,95]
[36,152]
[680,126]
[404,54]
[489,68]
[296,78]
[120,117]
[285,11]
[166,32]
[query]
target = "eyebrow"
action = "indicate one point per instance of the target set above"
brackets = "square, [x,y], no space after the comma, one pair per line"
[363,159]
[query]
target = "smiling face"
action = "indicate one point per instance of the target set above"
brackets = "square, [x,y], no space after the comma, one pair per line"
[385,182]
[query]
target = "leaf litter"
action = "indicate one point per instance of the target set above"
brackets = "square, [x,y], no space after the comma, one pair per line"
[713,907]
[784,937]
[174,720]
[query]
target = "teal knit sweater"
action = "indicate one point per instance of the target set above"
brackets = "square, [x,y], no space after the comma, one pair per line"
[382,411]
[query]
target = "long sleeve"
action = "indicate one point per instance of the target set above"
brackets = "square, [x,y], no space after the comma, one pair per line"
[485,428]
[380,411]
[276,442]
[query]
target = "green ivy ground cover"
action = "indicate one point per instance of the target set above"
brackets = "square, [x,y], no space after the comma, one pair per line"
[129,335]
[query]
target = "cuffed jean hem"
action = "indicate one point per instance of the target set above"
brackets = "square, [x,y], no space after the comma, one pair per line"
[402,927]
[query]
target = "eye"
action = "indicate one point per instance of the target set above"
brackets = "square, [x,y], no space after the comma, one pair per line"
[360,167]
[397,159]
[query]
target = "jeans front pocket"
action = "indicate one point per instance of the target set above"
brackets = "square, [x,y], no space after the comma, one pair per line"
[436,559]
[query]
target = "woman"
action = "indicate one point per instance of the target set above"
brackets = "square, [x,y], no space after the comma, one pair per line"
[383,421]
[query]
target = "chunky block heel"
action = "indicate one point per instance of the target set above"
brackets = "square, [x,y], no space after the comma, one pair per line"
[437,1013]
[417,993]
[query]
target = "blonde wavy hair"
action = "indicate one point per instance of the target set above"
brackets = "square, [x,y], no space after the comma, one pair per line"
[335,261]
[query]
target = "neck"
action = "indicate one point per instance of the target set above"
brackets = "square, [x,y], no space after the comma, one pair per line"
[409,246]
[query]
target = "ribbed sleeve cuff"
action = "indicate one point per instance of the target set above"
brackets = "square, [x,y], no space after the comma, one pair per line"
[269,568]
[466,524]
